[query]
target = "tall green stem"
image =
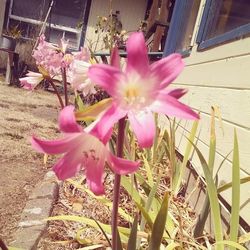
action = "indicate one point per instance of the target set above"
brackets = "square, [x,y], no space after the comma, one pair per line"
[64,79]
[56,91]
[117,184]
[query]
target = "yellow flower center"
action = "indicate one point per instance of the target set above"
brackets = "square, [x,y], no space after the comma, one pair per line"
[133,96]
[131,93]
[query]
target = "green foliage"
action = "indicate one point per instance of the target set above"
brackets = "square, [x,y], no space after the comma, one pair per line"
[226,186]
[181,169]
[213,198]
[153,225]
[235,211]
[159,225]
[133,235]
[15,32]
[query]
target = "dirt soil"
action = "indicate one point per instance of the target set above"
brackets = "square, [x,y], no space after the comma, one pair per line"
[22,113]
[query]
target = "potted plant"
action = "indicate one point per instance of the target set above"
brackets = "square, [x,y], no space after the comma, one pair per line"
[9,37]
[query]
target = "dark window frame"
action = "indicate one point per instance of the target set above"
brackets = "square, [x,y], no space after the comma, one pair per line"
[82,33]
[177,26]
[209,13]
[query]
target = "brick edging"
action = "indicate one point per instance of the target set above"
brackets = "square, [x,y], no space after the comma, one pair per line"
[38,207]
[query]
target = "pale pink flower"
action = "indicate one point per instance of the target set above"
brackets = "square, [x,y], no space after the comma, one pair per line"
[82,55]
[63,45]
[78,77]
[140,90]
[31,80]
[83,149]
[67,60]
[49,56]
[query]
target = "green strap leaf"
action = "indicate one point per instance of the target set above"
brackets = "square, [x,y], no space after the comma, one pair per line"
[229,243]
[145,215]
[126,183]
[148,171]
[212,146]
[133,235]
[186,156]
[226,186]
[213,198]
[159,225]
[103,232]
[119,242]
[79,103]
[235,211]
[124,232]
[91,112]
[91,247]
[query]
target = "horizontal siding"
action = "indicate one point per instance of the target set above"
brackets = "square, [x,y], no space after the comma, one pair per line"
[229,73]
[220,76]
[224,138]
[230,102]
[228,50]
[131,14]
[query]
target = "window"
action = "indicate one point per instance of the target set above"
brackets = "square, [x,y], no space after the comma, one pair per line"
[67,18]
[222,21]
[181,26]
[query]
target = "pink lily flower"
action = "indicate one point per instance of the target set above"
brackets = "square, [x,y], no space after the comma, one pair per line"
[82,55]
[140,90]
[49,56]
[83,149]
[31,80]
[78,77]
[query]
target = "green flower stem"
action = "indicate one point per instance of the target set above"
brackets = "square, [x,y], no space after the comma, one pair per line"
[56,91]
[64,79]
[117,184]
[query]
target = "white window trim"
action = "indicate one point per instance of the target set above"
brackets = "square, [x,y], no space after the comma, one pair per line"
[36,22]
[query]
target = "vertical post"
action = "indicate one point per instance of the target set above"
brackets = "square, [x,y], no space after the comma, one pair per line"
[2,12]
[8,67]
[163,17]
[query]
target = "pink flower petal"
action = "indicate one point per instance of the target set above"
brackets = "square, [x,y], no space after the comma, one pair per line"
[94,174]
[68,166]
[24,84]
[176,93]
[34,74]
[105,123]
[105,76]
[122,166]
[58,146]
[143,125]
[168,105]
[137,54]
[67,120]
[167,69]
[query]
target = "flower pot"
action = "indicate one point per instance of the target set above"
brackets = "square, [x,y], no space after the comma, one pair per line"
[7,43]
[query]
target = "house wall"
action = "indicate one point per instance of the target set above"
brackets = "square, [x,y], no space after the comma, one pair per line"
[131,14]
[220,76]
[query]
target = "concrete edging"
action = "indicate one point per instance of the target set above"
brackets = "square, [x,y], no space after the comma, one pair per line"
[38,207]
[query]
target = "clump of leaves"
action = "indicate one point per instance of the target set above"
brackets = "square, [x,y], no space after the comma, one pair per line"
[111,28]
[13,31]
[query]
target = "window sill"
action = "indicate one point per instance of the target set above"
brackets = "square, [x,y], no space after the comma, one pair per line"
[235,34]
[53,26]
